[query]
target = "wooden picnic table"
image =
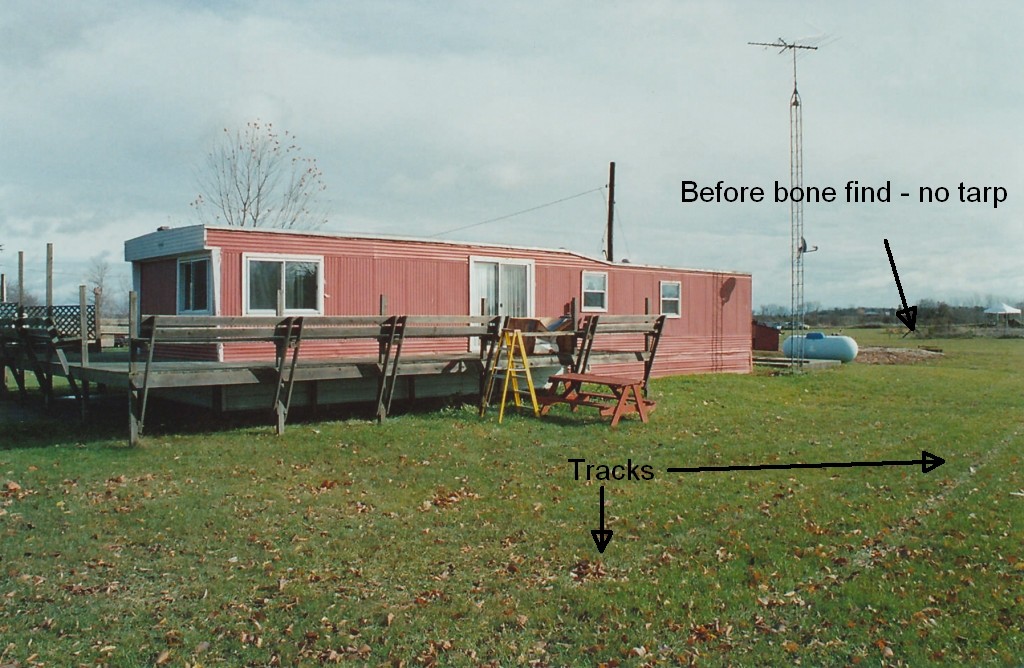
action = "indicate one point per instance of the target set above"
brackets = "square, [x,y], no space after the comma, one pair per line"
[625,397]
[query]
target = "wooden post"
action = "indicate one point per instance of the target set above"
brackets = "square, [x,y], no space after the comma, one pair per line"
[3,369]
[134,428]
[279,410]
[383,305]
[83,323]
[574,314]
[133,315]
[21,282]
[97,317]
[49,280]
[97,301]
[647,339]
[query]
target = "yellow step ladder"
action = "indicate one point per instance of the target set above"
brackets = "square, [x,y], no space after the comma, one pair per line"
[516,364]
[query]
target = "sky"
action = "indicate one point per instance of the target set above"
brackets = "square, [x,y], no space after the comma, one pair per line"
[430,117]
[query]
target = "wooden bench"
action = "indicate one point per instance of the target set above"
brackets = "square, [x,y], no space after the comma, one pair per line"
[35,344]
[391,333]
[287,334]
[157,330]
[626,396]
[11,355]
[601,327]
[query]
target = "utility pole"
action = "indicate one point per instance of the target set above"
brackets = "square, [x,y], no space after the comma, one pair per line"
[797,245]
[609,253]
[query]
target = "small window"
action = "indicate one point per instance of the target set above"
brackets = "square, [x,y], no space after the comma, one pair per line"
[299,279]
[595,291]
[671,298]
[194,286]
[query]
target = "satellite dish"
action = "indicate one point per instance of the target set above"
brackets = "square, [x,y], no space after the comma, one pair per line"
[802,248]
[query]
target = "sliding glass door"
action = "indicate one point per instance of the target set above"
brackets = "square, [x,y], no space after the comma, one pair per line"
[501,287]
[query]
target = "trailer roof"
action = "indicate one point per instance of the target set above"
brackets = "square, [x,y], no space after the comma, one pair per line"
[174,241]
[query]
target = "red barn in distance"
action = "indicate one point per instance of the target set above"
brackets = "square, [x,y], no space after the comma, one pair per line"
[231,271]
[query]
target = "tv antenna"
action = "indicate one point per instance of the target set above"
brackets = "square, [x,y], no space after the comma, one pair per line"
[797,245]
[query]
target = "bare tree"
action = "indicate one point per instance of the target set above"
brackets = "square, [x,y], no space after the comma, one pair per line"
[255,177]
[773,311]
[97,276]
[30,298]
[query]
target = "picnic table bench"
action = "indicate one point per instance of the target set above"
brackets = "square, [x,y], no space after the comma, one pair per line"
[626,395]
[626,392]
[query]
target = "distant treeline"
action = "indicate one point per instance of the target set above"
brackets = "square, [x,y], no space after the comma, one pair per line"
[929,311]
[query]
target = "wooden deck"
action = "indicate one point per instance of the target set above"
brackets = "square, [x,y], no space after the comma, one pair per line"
[288,379]
[233,386]
[319,382]
[179,373]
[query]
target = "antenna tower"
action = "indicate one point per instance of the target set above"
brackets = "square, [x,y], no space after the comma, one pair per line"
[797,245]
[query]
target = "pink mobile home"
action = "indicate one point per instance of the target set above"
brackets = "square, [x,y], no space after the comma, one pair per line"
[238,272]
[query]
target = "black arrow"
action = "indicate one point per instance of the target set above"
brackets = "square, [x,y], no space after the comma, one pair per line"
[601,536]
[908,315]
[928,462]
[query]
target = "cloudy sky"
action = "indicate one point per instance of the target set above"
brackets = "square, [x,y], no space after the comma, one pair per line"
[428,117]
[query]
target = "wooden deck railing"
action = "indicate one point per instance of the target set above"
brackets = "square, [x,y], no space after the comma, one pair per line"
[287,334]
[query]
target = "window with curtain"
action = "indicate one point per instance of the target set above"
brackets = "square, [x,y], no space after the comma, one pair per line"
[485,278]
[501,286]
[513,290]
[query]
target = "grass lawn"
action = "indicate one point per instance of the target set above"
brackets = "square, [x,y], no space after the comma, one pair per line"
[439,538]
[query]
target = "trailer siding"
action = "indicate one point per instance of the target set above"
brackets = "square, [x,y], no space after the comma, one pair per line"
[160,278]
[712,333]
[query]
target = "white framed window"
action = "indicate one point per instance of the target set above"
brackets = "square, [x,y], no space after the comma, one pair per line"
[299,277]
[595,291]
[672,299]
[194,286]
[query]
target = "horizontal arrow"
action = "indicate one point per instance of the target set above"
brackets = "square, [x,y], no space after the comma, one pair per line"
[928,462]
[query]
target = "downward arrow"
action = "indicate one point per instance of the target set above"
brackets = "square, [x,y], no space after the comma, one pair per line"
[601,536]
[907,314]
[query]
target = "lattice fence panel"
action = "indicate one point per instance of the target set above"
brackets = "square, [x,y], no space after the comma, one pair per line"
[65,318]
